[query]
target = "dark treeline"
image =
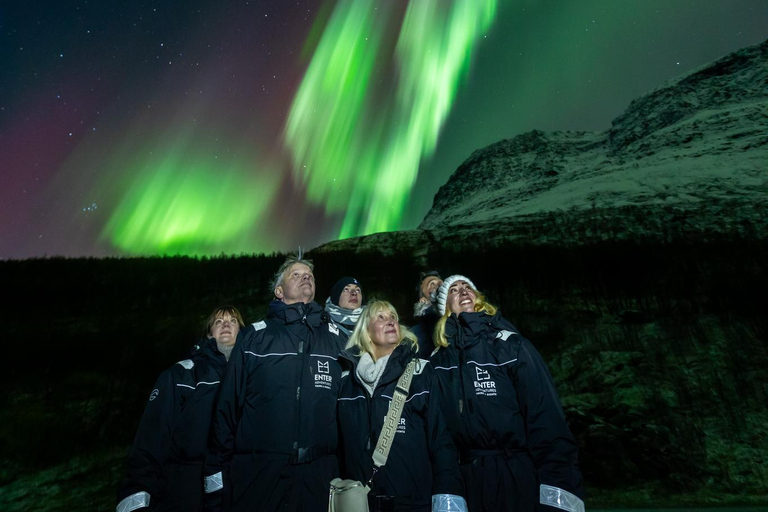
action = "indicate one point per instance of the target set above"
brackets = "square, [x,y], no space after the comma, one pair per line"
[658,350]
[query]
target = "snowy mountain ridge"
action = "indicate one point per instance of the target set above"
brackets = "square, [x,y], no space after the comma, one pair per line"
[689,159]
[701,138]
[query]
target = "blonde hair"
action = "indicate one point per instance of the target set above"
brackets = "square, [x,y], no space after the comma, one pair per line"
[361,338]
[480,306]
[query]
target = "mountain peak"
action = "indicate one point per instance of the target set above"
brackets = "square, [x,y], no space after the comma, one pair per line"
[697,146]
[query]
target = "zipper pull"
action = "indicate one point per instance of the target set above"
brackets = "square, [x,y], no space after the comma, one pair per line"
[301,347]
[298,392]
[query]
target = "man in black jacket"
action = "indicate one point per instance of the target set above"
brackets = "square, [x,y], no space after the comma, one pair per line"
[274,435]
[165,464]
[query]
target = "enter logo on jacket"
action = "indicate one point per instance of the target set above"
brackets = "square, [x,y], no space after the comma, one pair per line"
[400,425]
[154,394]
[322,377]
[484,386]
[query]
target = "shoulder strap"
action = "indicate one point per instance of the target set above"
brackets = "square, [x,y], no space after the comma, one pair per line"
[389,429]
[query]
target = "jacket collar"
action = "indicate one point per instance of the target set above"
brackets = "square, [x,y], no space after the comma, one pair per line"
[207,348]
[297,312]
[399,359]
[463,330]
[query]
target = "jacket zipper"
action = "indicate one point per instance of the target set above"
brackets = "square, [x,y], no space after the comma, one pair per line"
[465,403]
[368,401]
[303,351]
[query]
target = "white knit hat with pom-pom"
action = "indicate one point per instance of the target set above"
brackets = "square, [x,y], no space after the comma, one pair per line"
[442,292]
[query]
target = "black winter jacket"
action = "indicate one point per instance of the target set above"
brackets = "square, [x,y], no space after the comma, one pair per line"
[500,402]
[165,464]
[277,410]
[424,331]
[423,459]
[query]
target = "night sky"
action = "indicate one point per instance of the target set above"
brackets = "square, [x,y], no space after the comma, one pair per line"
[209,127]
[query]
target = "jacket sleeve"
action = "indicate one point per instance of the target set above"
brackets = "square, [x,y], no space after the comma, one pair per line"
[145,483]
[446,478]
[550,443]
[226,417]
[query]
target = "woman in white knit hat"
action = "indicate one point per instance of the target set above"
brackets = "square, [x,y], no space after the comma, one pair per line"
[516,451]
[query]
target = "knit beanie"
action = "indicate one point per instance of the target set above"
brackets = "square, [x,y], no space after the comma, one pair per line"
[339,287]
[442,292]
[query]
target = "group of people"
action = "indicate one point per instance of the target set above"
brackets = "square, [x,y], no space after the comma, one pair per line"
[264,416]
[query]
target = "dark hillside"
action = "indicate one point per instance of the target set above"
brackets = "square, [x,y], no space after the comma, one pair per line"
[658,351]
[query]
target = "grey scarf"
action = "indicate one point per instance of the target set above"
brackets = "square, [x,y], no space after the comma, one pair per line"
[422,308]
[345,318]
[227,351]
[369,372]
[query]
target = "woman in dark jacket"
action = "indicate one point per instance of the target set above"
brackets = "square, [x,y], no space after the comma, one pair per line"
[516,451]
[422,460]
[165,464]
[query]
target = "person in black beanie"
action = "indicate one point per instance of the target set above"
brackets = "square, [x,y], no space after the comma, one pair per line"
[425,311]
[345,303]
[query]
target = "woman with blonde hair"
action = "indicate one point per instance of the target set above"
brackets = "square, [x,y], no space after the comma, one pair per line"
[422,459]
[515,449]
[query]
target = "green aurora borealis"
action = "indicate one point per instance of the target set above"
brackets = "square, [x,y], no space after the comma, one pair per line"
[198,128]
[359,155]
[178,205]
[359,125]
[370,106]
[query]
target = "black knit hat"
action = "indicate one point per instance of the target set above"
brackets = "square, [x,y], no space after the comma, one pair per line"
[339,287]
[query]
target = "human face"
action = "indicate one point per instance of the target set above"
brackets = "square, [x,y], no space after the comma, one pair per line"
[384,331]
[224,329]
[429,285]
[461,298]
[298,285]
[351,297]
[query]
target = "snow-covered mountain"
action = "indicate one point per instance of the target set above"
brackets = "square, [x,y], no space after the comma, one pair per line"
[689,159]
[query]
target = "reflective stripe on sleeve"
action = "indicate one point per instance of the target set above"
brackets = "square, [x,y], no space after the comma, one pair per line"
[214,483]
[134,501]
[448,502]
[559,498]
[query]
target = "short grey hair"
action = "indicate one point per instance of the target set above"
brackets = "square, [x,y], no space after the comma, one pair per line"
[277,280]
